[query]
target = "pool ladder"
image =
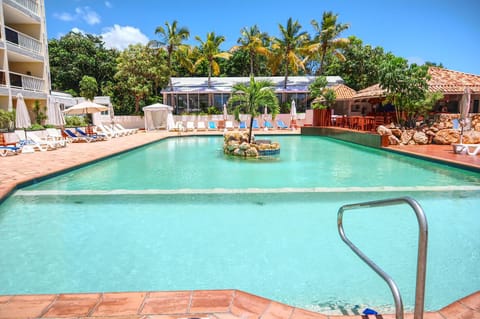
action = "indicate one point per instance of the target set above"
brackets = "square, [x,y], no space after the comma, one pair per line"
[421,257]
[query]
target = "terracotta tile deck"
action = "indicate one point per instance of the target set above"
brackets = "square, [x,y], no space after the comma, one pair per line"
[219,304]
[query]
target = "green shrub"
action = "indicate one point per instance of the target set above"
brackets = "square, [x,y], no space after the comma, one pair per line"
[6,119]
[75,121]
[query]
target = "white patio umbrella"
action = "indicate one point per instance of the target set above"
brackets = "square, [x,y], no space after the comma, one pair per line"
[87,107]
[54,114]
[464,110]
[22,118]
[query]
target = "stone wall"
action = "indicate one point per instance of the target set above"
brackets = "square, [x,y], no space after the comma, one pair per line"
[442,131]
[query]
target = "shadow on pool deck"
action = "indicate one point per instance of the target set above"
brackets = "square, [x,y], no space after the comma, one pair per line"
[223,304]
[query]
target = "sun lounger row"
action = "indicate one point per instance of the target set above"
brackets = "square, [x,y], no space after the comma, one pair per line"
[30,141]
[228,125]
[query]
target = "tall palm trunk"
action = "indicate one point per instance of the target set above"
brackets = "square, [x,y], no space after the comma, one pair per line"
[250,130]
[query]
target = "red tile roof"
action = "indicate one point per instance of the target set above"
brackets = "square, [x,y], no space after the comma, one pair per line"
[452,82]
[343,92]
[442,80]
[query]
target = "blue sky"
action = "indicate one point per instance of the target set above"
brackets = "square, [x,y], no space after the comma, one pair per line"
[440,31]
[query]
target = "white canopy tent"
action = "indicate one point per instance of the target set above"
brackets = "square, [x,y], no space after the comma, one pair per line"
[158,116]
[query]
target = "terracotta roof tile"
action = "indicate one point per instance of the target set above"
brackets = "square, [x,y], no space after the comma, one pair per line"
[343,92]
[370,92]
[442,80]
[452,82]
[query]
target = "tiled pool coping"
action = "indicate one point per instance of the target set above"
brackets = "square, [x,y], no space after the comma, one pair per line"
[221,304]
[20,169]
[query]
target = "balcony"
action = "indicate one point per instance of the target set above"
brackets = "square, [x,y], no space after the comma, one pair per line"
[26,82]
[30,6]
[22,40]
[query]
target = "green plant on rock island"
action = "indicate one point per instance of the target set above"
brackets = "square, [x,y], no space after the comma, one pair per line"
[249,99]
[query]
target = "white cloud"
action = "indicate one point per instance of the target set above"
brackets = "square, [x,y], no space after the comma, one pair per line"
[84,13]
[64,16]
[120,37]
[108,4]
[88,15]
[77,30]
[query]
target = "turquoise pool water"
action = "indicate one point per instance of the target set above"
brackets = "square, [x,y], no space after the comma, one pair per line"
[179,215]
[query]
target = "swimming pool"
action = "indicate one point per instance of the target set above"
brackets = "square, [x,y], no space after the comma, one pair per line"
[179,215]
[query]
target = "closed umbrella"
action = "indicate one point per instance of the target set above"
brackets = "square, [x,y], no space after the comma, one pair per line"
[225,112]
[293,115]
[22,119]
[54,114]
[464,110]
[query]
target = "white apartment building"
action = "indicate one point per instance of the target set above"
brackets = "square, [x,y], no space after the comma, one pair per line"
[24,66]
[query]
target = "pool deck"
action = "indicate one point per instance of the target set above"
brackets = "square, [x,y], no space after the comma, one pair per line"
[16,170]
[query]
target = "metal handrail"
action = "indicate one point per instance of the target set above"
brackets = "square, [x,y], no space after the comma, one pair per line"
[421,257]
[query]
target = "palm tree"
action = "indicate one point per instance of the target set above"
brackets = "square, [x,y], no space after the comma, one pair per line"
[287,49]
[209,51]
[254,42]
[327,39]
[249,98]
[171,39]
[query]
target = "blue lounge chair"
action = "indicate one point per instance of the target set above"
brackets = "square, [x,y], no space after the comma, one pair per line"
[94,136]
[10,149]
[281,125]
[268,124]
[212,125]
[75,138]
[242,125]
[255,125]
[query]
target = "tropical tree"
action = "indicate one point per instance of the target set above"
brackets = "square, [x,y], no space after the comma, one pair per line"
[326,39]
[171,40]
[361,66]
[287,49]
[209,51]
[75,55]
[88,87]
[406,85]
[141,72]
[249,99]
[254,42]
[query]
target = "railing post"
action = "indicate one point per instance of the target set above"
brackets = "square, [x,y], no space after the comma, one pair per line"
[421,256]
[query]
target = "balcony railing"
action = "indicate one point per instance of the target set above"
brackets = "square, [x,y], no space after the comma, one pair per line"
[23,40]
[26,82]
[30,5]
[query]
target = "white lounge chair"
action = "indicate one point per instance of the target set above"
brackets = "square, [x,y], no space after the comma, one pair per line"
[190,126]
[470,149]
[129,130]
[229,125]
[201,126]
[54,135]
[179,127]
[40,143]
[119,132]
[102,129]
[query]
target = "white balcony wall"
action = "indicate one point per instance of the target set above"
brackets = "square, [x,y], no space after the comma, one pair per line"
[24,41]
[29,5]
